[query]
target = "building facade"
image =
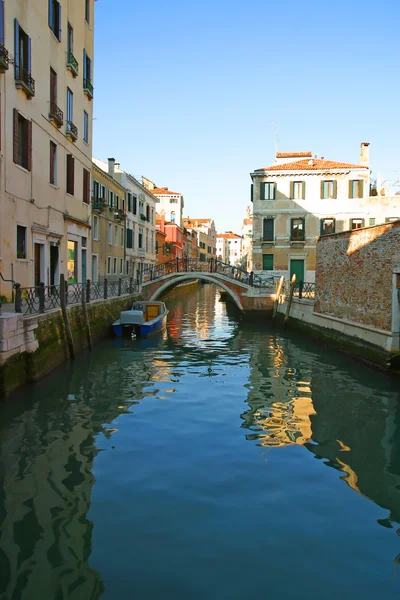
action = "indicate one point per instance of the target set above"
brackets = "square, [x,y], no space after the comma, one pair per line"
[206,236]
[171,203]
[46,91]
[229,248]
[247,241]
[299,198]
[108,227]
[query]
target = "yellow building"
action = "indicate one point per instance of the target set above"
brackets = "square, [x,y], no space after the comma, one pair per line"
[46,91]
[108,227]
[206,236]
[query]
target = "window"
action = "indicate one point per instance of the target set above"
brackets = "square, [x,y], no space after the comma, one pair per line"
[209,249]
[152,216]
[70,106]
[122,237]
[55,18]
[22,51]
[134,205]
[173,217]
[53,164]
[147,240]
[21,241]
[87,69]
[116,201]
[129,238]
[109,233]
[328,189]
[85,127]
[95,227]
[327,226]
[391,219]
[267,191]
[87,11]
[148,212]
[356,188]
[121,265]
[356,223]
[129,202]
[268,230]
[298,190]
[268,262]
[110,198]
[127,267]
[297,230]
[70,174]
[86,186]
[173,200]
[115,235]
[109,265]
[140,238]
[202,257]
[115,265]
[22,147]
[372,222]
[70,40]
[53,88]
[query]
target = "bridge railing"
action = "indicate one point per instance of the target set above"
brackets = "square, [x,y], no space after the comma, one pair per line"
[212,265]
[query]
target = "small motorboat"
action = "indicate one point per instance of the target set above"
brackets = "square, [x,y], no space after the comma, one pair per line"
[144,319]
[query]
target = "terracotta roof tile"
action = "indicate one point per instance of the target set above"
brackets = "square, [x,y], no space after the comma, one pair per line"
[228,235]
[313,164]
[293,154]
[164,191]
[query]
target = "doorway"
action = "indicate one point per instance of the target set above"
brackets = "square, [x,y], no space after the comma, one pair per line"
[84,265]
[54,268]
[38,264]
[297,268]
[95,267]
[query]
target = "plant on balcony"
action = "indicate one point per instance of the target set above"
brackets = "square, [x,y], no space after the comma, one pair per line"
[143,217]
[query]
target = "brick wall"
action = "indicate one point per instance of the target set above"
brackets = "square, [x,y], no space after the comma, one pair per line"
[354,274]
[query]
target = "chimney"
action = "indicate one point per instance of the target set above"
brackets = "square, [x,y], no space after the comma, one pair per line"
[111,165]
[364,154]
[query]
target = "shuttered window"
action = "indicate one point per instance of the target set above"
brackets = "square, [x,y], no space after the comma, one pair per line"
[53,163]
[129,238]
[22,53]
[356,188]
[70,174]
[22,142]
[268,230]
[267,191]
[86,186]
[55,18]
[268,262]
[134,205]
[328,189]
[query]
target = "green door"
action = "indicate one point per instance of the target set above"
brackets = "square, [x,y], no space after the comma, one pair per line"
[297,268]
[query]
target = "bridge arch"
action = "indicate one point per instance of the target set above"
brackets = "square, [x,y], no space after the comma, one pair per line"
[177,278]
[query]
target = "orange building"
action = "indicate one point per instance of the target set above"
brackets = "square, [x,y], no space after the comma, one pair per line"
[162,253]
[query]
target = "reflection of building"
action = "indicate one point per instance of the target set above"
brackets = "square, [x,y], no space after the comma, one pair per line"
[229,247]
[108,226]
[247,240]
[206,236]
[46,140]
[298,198]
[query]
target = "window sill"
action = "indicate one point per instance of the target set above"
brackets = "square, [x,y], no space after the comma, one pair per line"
[53,185]
[71,195]
[21,168]
[85,142]
[22,260]
[54,36]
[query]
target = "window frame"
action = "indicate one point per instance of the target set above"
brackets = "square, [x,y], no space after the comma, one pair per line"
[70,174]
[24,242]
[326,195]
[54,8]
[272,237]
[269,256]
[95,228]
[87,11]
[85,127]
[355,221]
[115,235]
[110,234]
[108,265]
[267,185]
[53,164]
[122,237]
[115,271]
[322,220]
[292,229]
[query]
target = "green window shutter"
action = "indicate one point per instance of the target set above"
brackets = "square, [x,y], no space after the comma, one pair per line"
[335,189]
[292,190]
[350,188]
[273,191]
[361,189]
[303,191]
[262,191]
[268,230]
[268,262]
[322,189]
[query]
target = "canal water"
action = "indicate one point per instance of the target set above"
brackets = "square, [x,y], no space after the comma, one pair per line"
[220,460]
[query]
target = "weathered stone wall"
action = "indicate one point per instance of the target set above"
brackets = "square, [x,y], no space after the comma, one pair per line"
[354,274]
[42,344]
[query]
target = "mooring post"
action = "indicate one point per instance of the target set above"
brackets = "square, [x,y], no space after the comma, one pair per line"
[88,291]
[18,308]
[63,300]
[292,286]
[277,297]
[41,297]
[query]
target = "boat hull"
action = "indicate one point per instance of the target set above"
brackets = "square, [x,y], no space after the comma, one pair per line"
[145,330]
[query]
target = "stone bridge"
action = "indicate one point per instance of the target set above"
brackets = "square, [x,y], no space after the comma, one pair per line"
[246,297]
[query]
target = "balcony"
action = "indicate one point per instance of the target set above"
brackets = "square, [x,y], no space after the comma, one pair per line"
[5,58]
[88,88]
[72,64]
[119,214]
[98,204]
[24,81]
[56,115]
[71,131]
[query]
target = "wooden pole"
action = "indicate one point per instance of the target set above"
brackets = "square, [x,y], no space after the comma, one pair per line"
[68,331]
[85,314]
[277,297]
[292,286]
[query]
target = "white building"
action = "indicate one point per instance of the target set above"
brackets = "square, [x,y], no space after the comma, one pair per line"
[229,248]
[247,240]
[171,203]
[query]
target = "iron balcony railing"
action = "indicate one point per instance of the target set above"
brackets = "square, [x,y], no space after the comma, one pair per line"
[72,130]
[98,204]
[88,87]
[304,290]
[72,64]
[119,214]
[42,298]
[24,80]
[56,114]
[5,58]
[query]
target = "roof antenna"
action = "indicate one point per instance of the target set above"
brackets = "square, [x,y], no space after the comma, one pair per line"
[276,123]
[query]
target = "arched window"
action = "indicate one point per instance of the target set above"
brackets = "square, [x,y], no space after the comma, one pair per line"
[173,217]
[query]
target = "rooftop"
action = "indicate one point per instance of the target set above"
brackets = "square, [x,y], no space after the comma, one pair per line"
[228,235]
[312,164]
[164,191]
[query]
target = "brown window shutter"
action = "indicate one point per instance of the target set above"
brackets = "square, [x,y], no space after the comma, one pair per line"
[51,163]
[86,186]
[29,163]
[15,140]
[72,174]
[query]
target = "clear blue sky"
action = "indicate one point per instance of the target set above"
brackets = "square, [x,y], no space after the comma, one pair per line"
[184,90]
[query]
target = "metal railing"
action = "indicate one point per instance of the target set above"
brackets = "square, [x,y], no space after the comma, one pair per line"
[25,79]
[98,204]
[72,63]
[88,87]
[304,291]
[56,113]
[212,265]
[42,298]
[72,130]
[5,57]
